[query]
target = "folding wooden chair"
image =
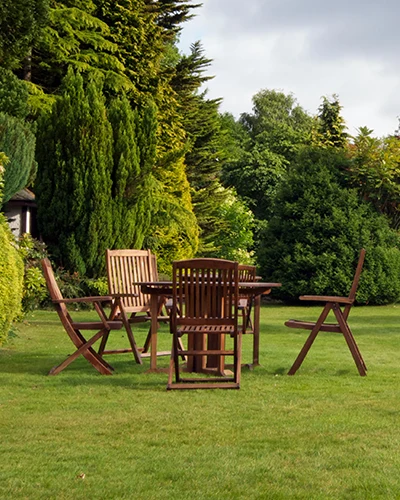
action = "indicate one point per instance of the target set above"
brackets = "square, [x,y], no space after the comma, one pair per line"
[341,308]
[73,328]
[124,268]
[205,306]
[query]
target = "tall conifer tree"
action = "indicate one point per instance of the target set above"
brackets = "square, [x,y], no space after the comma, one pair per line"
[73,185]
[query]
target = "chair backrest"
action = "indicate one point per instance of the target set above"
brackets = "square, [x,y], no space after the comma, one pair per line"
[357,274]
[124,268]
[247,273]
[205,292]
[54,290]
[356,279]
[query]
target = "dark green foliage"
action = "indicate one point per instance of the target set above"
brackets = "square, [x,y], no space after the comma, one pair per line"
[20,24]
[17,141]
[312,242]
[73,186]
[132,181]
[13,95]
[172,13]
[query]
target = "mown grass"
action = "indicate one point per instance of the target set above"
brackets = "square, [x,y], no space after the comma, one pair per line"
[324,433]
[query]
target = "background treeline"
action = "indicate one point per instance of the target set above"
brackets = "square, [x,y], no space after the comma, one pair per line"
[107,122]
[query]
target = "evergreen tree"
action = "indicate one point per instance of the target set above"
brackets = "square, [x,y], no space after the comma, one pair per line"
[205,153]
[143,45]
[13,95]
[330,125]
[75,37]
[21,22]
[73,185]
[17,141]
[133,185]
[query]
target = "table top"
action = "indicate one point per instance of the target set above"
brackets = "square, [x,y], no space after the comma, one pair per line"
[165,287]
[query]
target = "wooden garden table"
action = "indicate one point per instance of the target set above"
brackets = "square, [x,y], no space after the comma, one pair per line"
[157,289]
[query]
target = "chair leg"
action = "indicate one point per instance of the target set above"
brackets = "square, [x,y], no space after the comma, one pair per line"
[310,340]
[147,341]
[131,338]
[237,357]
[355,352]
[173,364]
[103,343]
[85,350]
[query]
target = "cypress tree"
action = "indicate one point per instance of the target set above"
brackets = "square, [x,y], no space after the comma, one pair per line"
[132,181]
[73,185]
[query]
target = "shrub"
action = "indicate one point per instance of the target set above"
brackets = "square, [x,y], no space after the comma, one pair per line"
[11,276]
[35,290]
[13,95]
[18,143]
[312,242]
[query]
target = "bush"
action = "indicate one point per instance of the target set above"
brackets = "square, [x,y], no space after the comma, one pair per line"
[35,293]
[18,143]
[35,290]
[11,276]
[311,244]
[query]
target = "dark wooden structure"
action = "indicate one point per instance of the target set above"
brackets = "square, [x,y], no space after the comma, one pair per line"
[205,307]
[126,268]
[340,306]
[74,328]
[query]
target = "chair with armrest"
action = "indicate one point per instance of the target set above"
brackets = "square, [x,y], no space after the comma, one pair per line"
[205,307]
[125,268]
[341,307]
[74,328]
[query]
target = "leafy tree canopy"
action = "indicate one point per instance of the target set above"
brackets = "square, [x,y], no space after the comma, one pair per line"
[311,243]
[269,139]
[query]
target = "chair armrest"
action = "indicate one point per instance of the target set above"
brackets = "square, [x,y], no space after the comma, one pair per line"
[327,298]
[122,295]
[105,298]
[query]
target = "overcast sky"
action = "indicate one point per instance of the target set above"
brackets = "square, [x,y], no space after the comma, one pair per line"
[310,48]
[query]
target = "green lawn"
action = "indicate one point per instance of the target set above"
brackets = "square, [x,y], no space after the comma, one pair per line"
[324,433]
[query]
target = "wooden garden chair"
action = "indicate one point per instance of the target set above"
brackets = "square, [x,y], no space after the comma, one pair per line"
[124,268]
[205,306]
[341,307]
[247,274]
[74,328]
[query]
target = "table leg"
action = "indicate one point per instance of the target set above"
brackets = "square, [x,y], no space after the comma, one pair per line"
[154,330]
[256,327]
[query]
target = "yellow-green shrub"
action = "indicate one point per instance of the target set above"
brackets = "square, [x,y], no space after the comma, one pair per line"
[11,279]
[11,273]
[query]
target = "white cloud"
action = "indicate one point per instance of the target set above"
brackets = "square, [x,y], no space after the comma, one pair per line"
[310,48]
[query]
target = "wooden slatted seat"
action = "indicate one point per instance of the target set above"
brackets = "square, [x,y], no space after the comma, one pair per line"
[74,328]
[340,306]
[205,305]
